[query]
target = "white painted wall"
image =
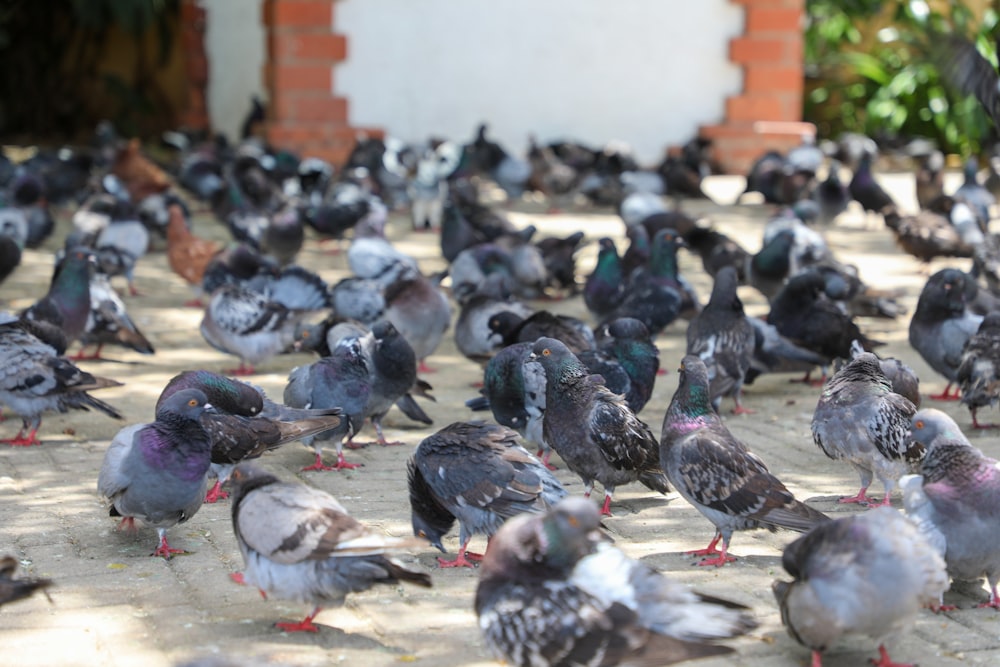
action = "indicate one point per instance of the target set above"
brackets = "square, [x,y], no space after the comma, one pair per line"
[236,48]
[647,72]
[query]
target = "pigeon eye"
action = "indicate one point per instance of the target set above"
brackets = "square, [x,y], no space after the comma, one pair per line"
[920,423]
[422,534]
[573,521]
[192,402]
[546,352]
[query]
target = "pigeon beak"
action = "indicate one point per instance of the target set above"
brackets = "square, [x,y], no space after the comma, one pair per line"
[439,546]
[210,408]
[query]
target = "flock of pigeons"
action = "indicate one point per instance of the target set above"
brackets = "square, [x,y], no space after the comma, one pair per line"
[552,589]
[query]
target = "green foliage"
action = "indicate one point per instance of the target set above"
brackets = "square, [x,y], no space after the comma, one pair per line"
[869,69]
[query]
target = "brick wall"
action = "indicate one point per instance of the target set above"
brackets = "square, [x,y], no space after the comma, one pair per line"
[767,112]
[192,39]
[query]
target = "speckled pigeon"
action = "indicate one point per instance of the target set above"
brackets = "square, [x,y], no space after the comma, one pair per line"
[552,593]
[955,500]
[722,337]
[34,379]
[865,574]
[479,474]
[941,324]
[978,374]
[718,474]
[860,419]
[157,472]
[299,544]
[903,379]
[591,428]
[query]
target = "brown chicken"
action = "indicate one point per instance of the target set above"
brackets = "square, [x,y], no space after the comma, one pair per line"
[139,174]
[187,254]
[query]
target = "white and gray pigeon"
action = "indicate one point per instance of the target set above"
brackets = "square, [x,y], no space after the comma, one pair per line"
[955,500]
[372,256]
[723,338]
[901,376]
[592,429]
[300,544]
[243,322]
[716,472]
[35,379]
[473,335]
[479,474]
[157,472]
[861,420]
[867,573]
[978,374]
[109,323]
[552,593]
[942,323]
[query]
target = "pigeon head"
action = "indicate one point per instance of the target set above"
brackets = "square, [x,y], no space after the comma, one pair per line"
[663,258]
[504,322]
[946,293]
[384,329]
[724,289]
[557,359]
[569,531]
[187,404]
[930,423]
[692,396]
[626,328]
[225,394]
[431,520]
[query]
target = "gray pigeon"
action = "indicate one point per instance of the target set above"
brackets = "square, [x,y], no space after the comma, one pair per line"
[773,353]
[479,474]
[67,302]
[299,544]
[157,472]
[942,323]
[903,379]
[245,323]
[861,420]
[473,335]
[718,474]
[108,321]
[591,428]
[865,574]
[34,379]
[978,373]
[552,592]
[722,337]
[420,311]
[11,589]
[955,500]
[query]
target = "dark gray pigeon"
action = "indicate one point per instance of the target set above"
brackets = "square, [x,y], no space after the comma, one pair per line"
[479,474]
[591,428]
[299,544]
[861,420]
[955,500]
[34,379]
[627,358]
[67,302]
[978,373]
[942,323]
[718,474]
[157,472]
[552,592]
[868,573]
[11,589]
[722,337]
[773,353]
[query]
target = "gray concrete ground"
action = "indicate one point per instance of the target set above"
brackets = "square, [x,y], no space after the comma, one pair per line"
[113,605]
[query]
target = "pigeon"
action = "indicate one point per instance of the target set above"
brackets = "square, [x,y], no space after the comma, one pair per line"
[473,336]
[188,255]
[930,233]
[861,420]
[954,500]
[865,574]
[941,324]
[865,189]
[770,266]
[979,199]
[514,391]
[930,178]
[552,592]
[371,256]
[639,250]
[421,313]
[157,472]
[804,314]
[246,423]
[479,474]
[605,286]
[715,472]
[832,195]
[773,353]
[11,589]
[722,337]
[67,303]
[109,323]
[717,250]
[978,374]
[239,320]
[512,328]
[237,264]
[627,359]
[559,256]
[300,544]
[34,379]
[591,428]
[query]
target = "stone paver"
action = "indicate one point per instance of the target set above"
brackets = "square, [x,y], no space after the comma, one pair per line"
[114,605]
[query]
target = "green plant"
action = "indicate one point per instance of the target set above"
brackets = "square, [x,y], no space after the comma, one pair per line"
[870,68]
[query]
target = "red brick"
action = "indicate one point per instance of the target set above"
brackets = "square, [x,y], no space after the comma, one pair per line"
[306,13]
[773,78]
[311,107]
[300,77]
[773,19]
[299,46]
[755,107]
[757,49]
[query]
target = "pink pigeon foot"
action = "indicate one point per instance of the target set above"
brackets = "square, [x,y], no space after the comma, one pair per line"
[165,551]
[21,440]
[862,498]
[885,661]
[194,303]
[128,525]
[946,395]
[306,625]
[82,356]
[606,508]
[242,369]
[215,494]
[238,578]
[340,465]
[424,368]
[464,559]
[740,410]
